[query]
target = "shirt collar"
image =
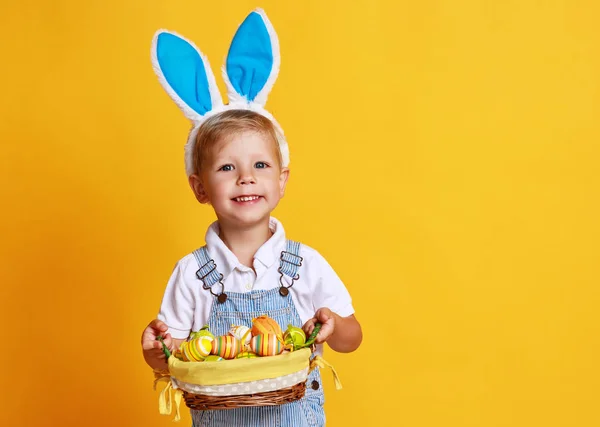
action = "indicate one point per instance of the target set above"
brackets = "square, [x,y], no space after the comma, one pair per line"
[226,261]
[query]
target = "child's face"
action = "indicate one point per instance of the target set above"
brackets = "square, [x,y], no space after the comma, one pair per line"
[242,179]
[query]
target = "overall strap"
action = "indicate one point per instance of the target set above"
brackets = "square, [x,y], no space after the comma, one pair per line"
[208,273]
[289,263]
[290,260]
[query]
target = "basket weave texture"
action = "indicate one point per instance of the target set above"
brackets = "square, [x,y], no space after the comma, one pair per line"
[291,368]
[269,398]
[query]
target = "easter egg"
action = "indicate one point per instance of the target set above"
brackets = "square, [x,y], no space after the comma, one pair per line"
[226,346]
[262,325]
[200,347]
[294,336]
[202,332]
[246,355]
[213,358]
[185,352]
[178,354]
[266,345]
[242,333]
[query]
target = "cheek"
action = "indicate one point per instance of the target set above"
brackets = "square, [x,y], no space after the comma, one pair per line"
[276,186]
[216,186]
[221,187]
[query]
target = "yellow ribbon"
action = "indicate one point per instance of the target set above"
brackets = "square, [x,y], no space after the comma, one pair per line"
[321,363]
[166,399]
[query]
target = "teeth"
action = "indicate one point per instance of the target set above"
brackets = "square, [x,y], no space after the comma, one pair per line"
[246,199]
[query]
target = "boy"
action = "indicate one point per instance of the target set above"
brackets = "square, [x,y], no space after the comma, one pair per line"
[237,161]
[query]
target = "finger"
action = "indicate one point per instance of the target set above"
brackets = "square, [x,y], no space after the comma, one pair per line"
[308,323]
[321,337]
[149,338]
[168,340]
[309,326]
[149,344]
[147,335]
[325,332]
[158,325]
[150,334]
[323,314]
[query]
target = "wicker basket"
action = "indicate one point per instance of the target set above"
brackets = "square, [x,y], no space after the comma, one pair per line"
[261,381]
[268,398]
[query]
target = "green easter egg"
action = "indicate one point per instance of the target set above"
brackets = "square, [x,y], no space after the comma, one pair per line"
[201,333]
[246,355]
[295,336]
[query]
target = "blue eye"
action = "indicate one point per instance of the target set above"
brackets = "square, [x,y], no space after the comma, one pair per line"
[226,168]
[261,165]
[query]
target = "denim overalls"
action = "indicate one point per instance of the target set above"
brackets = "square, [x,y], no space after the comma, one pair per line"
[240,309]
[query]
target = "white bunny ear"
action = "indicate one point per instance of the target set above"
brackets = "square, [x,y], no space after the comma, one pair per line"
[252,64]
[184,72]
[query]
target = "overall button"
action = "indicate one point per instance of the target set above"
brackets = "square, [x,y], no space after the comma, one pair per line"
[315,385]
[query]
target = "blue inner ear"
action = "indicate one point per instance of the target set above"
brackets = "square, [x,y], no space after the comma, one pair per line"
[250,57]
[184,70]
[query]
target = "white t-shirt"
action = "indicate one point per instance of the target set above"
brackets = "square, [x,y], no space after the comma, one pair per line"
[186,304]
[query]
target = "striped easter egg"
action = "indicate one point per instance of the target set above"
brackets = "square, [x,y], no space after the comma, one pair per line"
[200,347]
[266,345]
[185,352]
[226,346]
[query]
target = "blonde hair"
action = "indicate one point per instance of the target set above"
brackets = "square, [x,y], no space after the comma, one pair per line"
[227,123]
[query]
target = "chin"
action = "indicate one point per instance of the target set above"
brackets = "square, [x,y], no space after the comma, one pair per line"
[248,220]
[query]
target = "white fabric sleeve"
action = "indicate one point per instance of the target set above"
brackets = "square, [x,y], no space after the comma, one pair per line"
[330,291]
[177,307]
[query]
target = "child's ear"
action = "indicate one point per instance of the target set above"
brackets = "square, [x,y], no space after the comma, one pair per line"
[283,178]
[198,189]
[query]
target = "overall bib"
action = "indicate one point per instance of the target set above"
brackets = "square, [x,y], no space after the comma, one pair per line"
[240,309]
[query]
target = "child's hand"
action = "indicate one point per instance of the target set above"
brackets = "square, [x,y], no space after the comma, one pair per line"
[327,319]
[342,334]
[152,349]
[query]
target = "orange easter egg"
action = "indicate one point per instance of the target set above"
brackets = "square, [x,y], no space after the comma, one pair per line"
[266,345]
[226,346]
[265,325]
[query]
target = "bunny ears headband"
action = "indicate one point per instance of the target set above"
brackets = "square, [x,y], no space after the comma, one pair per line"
[250,70]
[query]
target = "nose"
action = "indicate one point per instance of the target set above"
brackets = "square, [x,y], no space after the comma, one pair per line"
[246,178]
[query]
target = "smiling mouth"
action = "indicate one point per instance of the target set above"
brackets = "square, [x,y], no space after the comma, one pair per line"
[246,198]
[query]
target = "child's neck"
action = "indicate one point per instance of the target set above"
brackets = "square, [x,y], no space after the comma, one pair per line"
[244,243]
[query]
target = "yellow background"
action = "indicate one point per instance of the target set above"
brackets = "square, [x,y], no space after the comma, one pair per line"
[444,160]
